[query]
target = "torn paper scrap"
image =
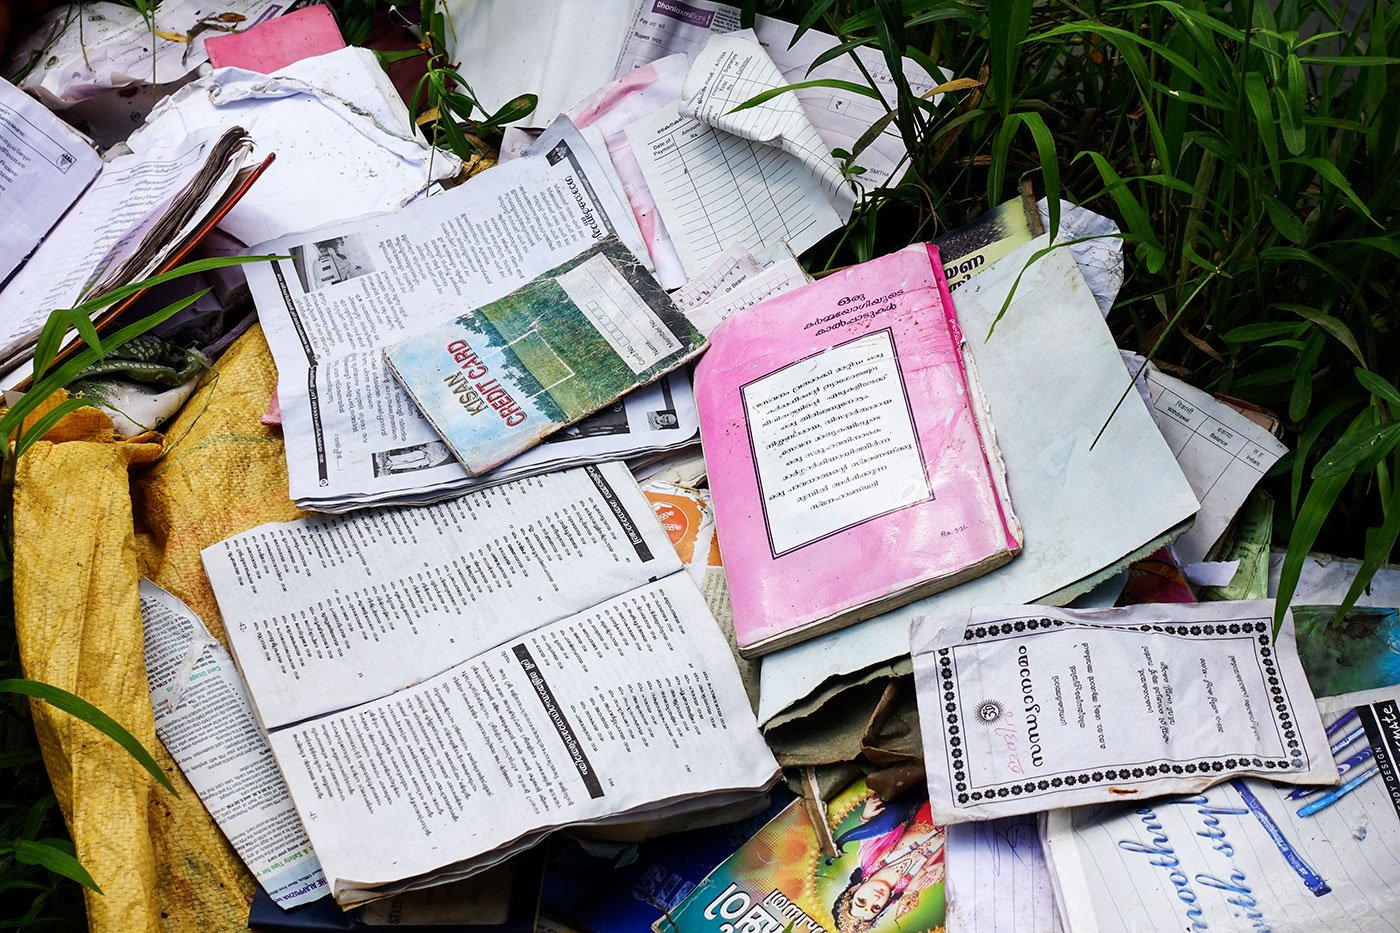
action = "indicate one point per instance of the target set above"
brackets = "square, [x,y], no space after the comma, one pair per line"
[733,68]
[782,276]
[205,721]
[1223,453]
[1041,708]
[1211,572]
[721,276]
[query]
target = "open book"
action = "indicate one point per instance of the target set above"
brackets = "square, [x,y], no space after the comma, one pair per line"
[454,681]
[851,460]
[130,218]
[506,375]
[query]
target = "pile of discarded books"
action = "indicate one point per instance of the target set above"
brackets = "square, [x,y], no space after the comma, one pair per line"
[625,519]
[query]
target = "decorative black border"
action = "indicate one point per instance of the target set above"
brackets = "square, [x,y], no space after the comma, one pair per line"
[1135,771]
[753,449]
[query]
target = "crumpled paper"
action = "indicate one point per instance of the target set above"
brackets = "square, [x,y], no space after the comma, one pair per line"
[81,548]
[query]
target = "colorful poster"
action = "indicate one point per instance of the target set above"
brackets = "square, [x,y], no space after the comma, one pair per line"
[888,876]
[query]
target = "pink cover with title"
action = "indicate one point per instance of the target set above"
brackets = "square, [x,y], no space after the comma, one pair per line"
[850,459]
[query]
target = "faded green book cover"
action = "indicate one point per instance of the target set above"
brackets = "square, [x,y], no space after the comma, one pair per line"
[887,877]
[504,376]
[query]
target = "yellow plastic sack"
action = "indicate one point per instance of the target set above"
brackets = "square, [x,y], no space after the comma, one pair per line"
[159,858]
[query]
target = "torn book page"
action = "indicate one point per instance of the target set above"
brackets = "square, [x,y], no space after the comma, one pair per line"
[1248,855]
[998,880]
[1223,454]
[112,45]
[344,142]
[715,189]
[44,166]
[731,69]
[1035,708]
[666,27]
[204,719]
[1051,374]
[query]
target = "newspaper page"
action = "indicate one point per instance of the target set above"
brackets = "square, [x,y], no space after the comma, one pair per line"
[1035,707]
[44,166]
[349,291]
[619,710]
[326,612]
[205,721]
[1248,855]
[665,27]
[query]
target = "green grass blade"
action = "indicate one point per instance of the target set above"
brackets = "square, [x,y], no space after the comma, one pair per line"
[76,706]
[51,854]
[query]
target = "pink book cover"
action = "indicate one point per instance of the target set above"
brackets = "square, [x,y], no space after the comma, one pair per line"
[850,454]
[278,42]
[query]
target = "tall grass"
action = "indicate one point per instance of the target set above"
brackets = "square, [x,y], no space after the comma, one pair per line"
[1248,150]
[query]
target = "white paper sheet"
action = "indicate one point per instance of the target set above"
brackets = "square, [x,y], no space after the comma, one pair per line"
[113,47]
[1051,374]
[998,881]
[1325,580]
[204,719]
[715,190]
[560,50]
[344,142]
[44,167]
[665,27]
[1028,708]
